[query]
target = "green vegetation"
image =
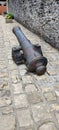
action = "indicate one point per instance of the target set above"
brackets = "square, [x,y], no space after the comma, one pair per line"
[9,16]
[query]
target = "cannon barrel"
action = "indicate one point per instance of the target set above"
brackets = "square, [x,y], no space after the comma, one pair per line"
[34,58]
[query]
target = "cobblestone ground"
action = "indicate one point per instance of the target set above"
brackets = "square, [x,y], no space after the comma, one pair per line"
[27,101]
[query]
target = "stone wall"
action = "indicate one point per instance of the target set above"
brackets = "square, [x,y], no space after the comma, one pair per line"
[41,16]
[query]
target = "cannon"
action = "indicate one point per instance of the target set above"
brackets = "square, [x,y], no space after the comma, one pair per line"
[28,53]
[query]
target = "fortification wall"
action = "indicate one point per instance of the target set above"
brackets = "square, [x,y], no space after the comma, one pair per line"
[41,16]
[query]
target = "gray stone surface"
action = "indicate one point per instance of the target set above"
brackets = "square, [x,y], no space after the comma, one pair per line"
[48,126]
[7,122]
[34,97]
[50,96]
[30,88]
[41,16]
[24,118]
[20,101]
[18,88]
[41,113]
[27,101]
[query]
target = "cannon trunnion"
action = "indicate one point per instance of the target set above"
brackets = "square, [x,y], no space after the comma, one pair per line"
[28,53]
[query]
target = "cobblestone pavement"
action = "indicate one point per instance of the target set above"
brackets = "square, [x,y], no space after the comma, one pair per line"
[27,101]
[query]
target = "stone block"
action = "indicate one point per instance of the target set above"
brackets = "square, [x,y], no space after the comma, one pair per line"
[48,126]
[41,112]
[30,88]
[24,118]
[17,88]
[7,122]
[50,96]
[35,97]
[27,79]
[20,101]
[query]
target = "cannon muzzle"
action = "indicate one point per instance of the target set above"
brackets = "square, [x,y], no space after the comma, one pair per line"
[31,54]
